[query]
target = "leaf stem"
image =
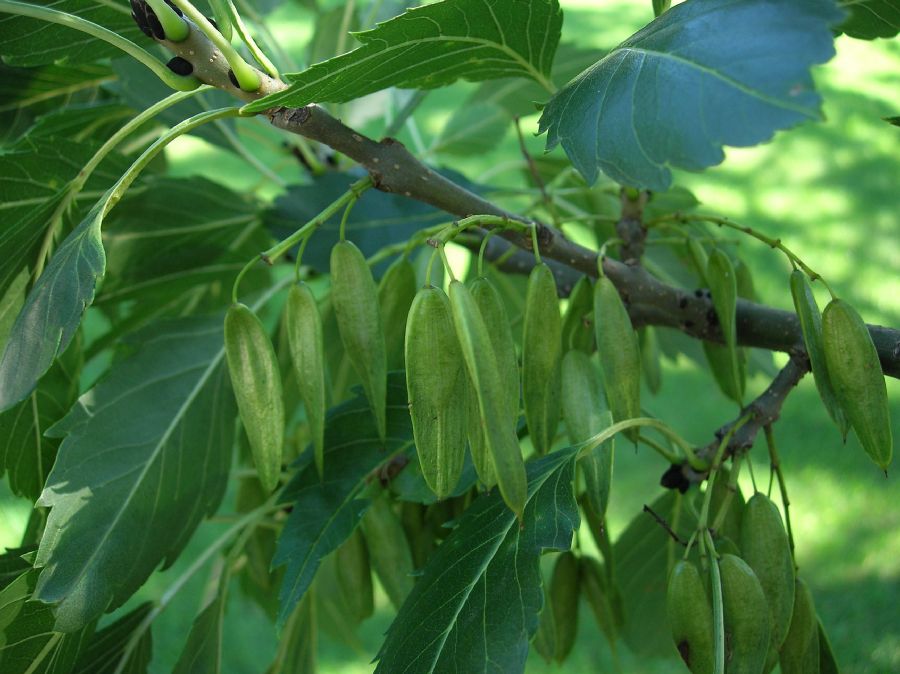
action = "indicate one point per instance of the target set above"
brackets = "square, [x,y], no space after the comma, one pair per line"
[481,250]
[116,192]
[782,485]
[725,222]
[271,255]
[534,244]
[177,82]
[446,262]
[242,31]
[247,521]
[77,185]
[729,495]
[714,469]
[695,462]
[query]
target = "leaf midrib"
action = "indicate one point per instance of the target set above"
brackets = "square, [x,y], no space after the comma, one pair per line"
[380,53]
[777,102]
[176,420]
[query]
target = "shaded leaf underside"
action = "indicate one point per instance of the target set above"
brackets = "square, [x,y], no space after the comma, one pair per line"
[706,73]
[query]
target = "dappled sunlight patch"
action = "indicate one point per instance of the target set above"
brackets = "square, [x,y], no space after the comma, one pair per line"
[844,529]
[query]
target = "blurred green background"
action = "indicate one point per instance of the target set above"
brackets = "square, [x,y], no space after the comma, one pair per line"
[830,191]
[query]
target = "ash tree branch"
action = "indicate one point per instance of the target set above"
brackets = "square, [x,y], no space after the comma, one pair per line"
[763,411]
[394,169]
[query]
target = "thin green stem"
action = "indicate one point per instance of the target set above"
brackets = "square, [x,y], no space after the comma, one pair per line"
[693,460]
[243,32]
[725,222]
[299,261]
[248,156]
[405,112]
[199,562]
[177,82]
[714,469]
[342,231]
[118,190]
[77,185]
[247,77]
[44,652]
[237,281]
[273,44]
[534,244]
[344,29]
[729,494]
[272,254]
[782,485]
[446,262]
[223,18]
[659,448]
[481,249]
[752,474]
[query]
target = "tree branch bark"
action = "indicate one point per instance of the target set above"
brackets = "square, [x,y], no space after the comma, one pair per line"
[394,169]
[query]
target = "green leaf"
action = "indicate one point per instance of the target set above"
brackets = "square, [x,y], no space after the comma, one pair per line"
[642,554]
[31,42]
[500,101]
[96,121]
[24,451]
[706,73]
[827,662]
[870,19]
[326,510]
[140,88]
[13,564]
[202,653]
[432,46]
[11,304]
[108,646]
[176,234]
[380,219]
[297,645]
[28,644]
[53,310]
[150,481]
[473,129]
[34,180]
[477,603]
[24,87]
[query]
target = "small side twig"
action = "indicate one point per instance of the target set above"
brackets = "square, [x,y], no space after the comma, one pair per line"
[762,411]
[665,525]
[630,227]
[536,175]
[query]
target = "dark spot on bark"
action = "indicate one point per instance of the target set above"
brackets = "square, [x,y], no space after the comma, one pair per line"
[711,316]
[180,66]
[233,79]
[698,293]
[688,324]
[682,303]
